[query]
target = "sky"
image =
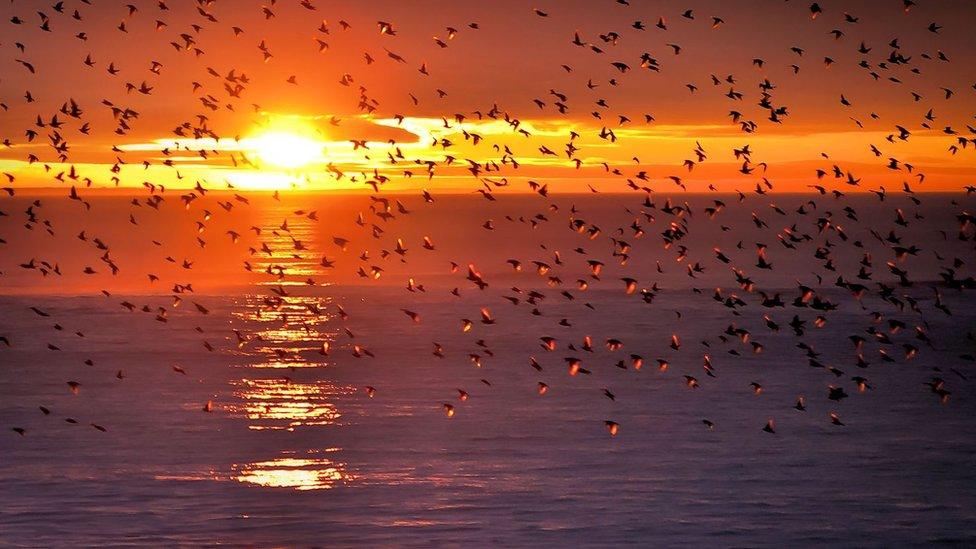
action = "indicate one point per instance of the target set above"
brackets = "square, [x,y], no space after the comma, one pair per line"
[403,96]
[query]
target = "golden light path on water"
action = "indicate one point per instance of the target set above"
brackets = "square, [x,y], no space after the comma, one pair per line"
[284,332]
[298,473]
[283,327]
[280,329]
[284,404]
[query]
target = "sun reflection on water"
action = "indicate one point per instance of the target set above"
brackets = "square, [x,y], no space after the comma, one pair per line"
[298,473]
[285,404]
[284,332]
[286,324]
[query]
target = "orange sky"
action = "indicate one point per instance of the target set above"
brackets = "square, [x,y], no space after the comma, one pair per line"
[216,81]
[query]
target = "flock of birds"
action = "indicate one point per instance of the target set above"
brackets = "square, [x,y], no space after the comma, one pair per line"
[818,231]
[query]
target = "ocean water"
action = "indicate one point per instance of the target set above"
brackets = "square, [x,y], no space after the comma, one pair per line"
[294,452]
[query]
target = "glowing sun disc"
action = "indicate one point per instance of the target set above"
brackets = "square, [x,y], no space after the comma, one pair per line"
[285,150]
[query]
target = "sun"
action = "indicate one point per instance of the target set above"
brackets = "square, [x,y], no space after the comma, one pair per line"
[285,149]
[286,144]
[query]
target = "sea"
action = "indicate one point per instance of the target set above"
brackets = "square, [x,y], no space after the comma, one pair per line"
[252,395]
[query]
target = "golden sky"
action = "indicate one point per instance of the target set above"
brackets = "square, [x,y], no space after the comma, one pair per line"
[459,96]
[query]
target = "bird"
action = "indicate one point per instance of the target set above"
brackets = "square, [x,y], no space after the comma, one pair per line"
[801,404]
